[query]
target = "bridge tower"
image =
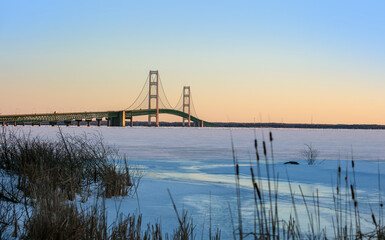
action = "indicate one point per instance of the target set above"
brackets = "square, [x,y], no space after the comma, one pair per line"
[153,94]
[186,104]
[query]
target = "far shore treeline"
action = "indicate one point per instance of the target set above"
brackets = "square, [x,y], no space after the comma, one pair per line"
[274,125]
[265,125]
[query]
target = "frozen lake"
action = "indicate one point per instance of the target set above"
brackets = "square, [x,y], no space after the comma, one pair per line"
[196,164]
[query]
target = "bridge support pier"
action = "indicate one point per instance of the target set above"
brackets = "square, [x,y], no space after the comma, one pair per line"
[119,121]
[187,105]
[67,123]
[7,124]
[202,123]
[53,123]
[88,122]
[131,121]
[39,124]
[99,122]
[15,124]
[79,121]
[153,82]
[23,124]
[2,123]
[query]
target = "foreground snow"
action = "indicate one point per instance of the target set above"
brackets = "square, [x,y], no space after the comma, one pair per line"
[196,165]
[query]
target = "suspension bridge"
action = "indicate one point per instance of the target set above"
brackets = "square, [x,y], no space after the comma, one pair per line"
[152,103]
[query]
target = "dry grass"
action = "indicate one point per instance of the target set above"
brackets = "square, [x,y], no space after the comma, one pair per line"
[45,176]
[56,218]
[267,224]
[69,164]
[41,176]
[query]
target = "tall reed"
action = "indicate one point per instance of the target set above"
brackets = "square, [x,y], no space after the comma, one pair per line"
[268,225]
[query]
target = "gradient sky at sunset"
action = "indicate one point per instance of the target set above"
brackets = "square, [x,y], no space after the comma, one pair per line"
[289,61]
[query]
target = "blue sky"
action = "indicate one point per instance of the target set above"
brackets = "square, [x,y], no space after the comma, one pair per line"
[287,59]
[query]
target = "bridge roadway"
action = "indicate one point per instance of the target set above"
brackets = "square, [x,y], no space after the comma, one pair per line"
[114,118]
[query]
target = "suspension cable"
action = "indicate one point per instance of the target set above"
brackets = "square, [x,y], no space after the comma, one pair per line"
[161,85]
[139,95]
[162,102]
[179,101]
[192,103]
[145,98]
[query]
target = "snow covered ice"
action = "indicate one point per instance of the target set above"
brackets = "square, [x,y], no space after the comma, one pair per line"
[195,163]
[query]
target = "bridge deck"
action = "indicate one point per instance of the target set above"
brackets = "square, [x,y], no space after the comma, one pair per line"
[56,117]
[49,117]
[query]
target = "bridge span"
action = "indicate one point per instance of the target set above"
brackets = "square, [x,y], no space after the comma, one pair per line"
[154,106]
[113,118]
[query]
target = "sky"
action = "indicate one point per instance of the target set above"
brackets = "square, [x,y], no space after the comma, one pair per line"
[275,61]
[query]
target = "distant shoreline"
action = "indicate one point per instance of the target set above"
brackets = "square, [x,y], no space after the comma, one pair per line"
[252,125]
[303,125]
[278,125]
